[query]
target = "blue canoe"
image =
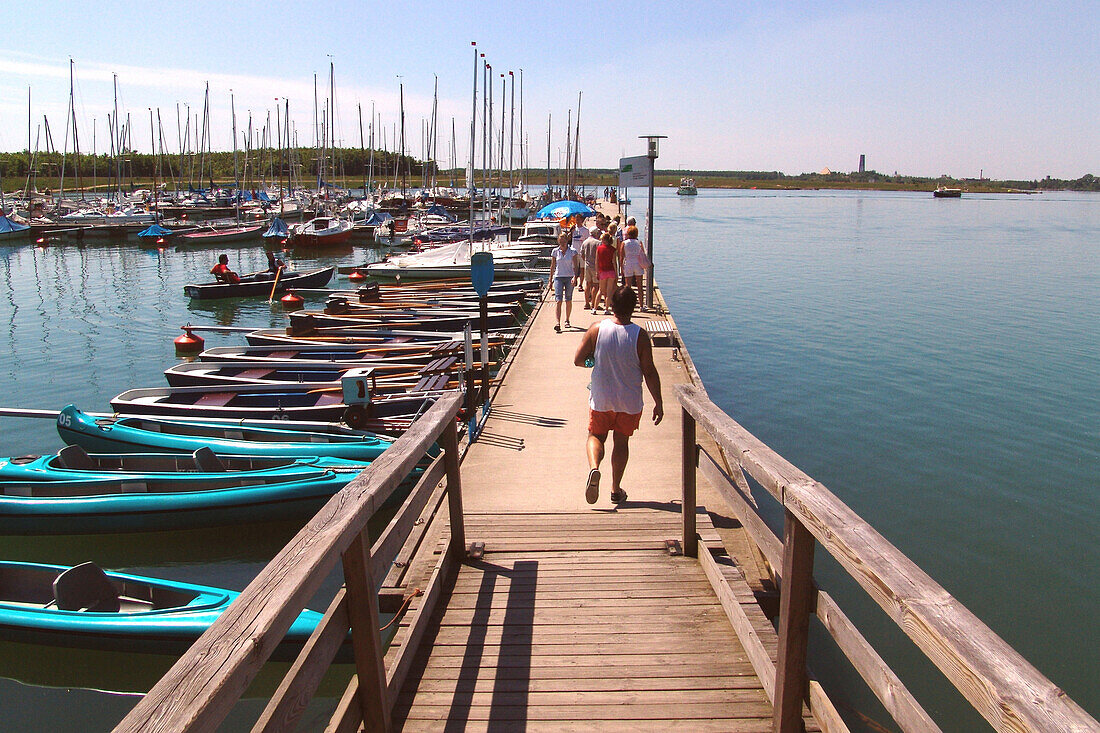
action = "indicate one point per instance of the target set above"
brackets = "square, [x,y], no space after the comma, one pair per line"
[77,493]
[143,434]
[85,607]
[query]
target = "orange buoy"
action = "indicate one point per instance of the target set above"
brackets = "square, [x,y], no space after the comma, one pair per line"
[188,343]
[356,276]
[291,301]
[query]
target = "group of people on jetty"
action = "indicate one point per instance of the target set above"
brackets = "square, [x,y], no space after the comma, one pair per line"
[607,263]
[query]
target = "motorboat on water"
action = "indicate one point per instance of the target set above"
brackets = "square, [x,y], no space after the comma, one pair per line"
[321,231]
[687,187]
[947,193]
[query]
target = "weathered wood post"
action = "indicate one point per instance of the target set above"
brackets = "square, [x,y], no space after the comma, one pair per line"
[795,606]
[366,640]
[449,442]
[690,461]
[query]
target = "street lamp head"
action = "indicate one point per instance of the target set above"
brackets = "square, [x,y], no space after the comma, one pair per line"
[654,141]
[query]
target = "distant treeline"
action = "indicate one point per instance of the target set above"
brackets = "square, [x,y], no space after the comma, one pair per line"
[351,165]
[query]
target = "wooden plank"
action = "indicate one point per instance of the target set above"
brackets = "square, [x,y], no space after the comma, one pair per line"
[688,461]
[403,660]
[659,711]
[491,683]
[386,548]
[718,660]
[584,675]
[770,545]
[746,632]
[401,563]
[362,605]
[795,606]
[888,688]
[533,700]
[449,442]
[825,713]
[205,683]
[712,725]
[304,677]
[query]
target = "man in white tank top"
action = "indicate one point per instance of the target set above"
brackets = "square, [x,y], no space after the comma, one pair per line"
[621,357]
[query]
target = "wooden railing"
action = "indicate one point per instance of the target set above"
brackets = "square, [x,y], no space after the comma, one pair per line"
[1001,685]
[204,685]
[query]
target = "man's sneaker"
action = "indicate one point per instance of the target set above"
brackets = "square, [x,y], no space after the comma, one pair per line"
[618,496]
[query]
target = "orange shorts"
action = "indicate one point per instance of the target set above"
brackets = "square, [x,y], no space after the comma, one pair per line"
[623,423]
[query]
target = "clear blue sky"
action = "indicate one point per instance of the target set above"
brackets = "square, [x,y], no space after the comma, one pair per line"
[920,88]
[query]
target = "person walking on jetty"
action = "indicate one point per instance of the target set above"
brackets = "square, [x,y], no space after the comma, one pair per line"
[221,271]
[580,233]
[591,273]
[633,262]
[565,264]
[607,269]
[621,356]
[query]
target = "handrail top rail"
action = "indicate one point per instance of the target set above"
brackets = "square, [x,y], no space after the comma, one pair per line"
[220,664]
[996,679]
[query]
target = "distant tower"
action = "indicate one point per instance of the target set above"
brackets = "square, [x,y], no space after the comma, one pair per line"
[862,163]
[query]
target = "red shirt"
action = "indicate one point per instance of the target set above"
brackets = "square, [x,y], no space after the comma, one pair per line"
[605,258]
[222,272]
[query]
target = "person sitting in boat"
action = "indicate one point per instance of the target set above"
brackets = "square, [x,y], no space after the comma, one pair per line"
[222,273]
[274,264]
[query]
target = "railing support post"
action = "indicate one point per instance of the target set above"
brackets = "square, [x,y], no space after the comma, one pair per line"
[690,461]
[366,639]
[449,442]
[795,606]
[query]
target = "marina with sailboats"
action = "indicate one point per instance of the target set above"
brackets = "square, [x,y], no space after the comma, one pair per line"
[351,487]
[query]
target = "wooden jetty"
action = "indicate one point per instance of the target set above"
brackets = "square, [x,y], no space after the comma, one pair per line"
[524,608]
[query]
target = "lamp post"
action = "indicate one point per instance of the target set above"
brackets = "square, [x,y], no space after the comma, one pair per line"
[653,142]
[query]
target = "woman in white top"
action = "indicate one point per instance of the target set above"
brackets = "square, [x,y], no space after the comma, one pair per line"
[633,261]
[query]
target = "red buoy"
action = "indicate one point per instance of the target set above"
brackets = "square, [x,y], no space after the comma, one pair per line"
[356,276]
[188,343]
[291,301]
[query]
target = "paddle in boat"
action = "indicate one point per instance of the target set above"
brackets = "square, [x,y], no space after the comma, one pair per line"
[85,607]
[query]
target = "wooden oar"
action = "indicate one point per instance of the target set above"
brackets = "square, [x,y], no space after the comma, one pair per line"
[278,272]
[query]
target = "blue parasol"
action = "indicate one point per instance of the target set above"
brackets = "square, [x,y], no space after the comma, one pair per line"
[562,209]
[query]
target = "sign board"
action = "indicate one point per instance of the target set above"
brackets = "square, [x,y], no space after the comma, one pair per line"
[481,272]
[635,172]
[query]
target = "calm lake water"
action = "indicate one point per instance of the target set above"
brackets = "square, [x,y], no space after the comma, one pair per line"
[935,363]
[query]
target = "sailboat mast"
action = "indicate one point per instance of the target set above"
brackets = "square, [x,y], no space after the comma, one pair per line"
[512,137]
[370,163]
[522,159]
[549,120]
[362,146]
[577,140]
[405,169]
[473,139]
[236,170]
[114,144]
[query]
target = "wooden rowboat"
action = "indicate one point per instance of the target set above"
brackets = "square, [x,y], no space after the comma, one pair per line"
[260,284]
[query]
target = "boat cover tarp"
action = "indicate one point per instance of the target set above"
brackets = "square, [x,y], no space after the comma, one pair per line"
[262,196]
[438,210]
[277,230]
[7,226]
[377,219]
[155,230]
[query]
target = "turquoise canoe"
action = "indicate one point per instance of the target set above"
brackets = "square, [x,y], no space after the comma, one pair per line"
[85,607]
[138,434]
[74,492]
